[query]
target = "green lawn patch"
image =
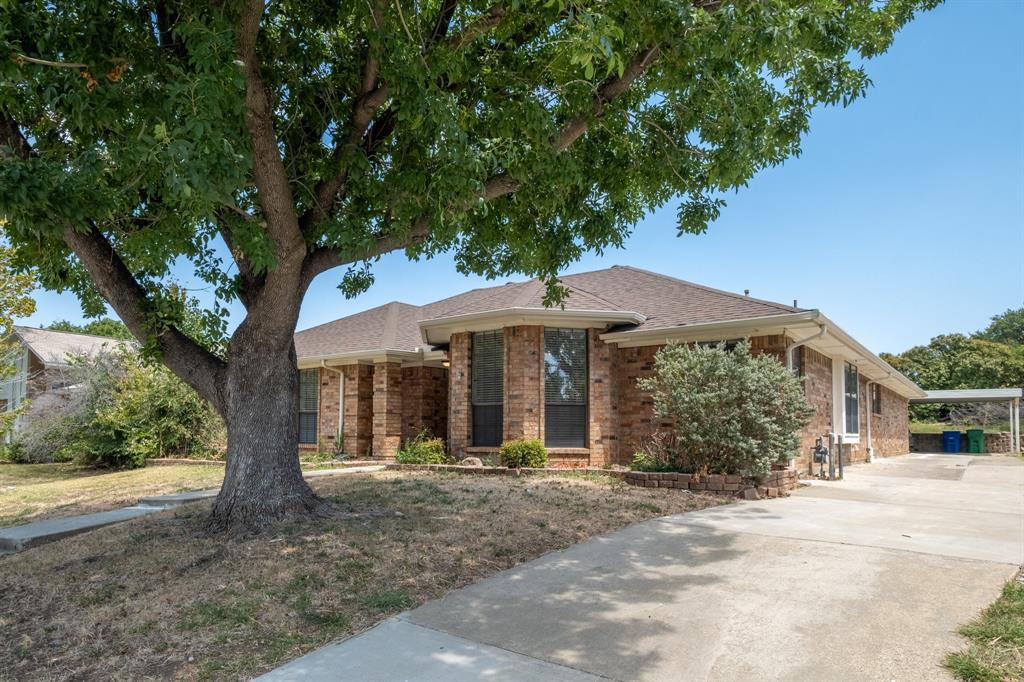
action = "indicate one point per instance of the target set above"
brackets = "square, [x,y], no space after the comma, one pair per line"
[996,650]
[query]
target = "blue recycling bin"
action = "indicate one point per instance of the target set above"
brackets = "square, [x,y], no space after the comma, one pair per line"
[951,441]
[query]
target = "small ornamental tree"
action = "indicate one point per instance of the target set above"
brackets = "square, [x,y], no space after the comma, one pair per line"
[732,412]
[297,136]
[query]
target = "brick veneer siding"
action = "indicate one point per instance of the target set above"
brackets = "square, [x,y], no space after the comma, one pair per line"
[603,394]
[358,410]
[524,382]
[424,401]
[387,408]
[636,408]
[460,413]
[329,402]
[817,377]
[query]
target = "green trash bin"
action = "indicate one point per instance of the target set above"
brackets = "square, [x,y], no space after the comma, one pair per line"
[975,441]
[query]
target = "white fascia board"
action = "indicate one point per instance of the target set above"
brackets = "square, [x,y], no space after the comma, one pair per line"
[361,356]
[873,367]
[439,330]
[750,326]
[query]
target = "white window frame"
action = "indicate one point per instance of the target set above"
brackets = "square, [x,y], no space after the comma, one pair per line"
[839,399]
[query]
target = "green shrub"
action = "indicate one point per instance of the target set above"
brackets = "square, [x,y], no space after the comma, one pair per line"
[734,413]
[523,452]
[120,412]
[423,449]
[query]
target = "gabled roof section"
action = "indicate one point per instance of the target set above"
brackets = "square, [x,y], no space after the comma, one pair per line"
[54,348]
[634,299]
[669,302]
[392,326]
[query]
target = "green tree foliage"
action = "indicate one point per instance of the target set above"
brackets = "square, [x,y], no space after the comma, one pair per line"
[114,329]
[1005,328]
[307,135]
[733,412]
[991,358]
[120,412]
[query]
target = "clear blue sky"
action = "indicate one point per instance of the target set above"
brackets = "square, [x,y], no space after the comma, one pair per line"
[902,219]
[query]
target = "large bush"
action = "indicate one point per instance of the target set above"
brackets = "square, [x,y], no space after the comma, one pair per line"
[118,412]
[733,412]
[423,449]
[523,452]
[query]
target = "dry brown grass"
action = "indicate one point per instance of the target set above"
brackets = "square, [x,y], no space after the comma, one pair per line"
[157,598]
[32,492]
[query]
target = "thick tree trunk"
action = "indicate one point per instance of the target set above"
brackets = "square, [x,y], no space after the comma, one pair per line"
[263,482]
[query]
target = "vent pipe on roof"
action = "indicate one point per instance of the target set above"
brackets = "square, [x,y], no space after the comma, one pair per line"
[746,292]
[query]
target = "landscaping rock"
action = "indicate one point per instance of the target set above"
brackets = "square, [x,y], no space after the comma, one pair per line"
[748,494]
[472,462]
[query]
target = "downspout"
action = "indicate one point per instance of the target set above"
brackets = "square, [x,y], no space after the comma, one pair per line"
[870,410]
[822,331]
[341,399]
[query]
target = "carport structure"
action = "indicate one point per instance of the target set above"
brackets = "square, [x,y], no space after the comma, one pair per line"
[1010,396]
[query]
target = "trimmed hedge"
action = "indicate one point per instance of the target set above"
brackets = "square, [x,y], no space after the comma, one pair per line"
[523,452]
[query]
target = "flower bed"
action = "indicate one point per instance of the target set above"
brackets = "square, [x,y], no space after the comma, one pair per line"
[777,483]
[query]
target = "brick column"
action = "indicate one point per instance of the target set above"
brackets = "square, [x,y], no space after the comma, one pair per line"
[358,410]
[330,399]
[602,395]
[460,412]
[424,401]
[524,382]
[387,408]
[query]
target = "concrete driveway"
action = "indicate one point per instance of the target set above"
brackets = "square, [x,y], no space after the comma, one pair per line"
[863,579]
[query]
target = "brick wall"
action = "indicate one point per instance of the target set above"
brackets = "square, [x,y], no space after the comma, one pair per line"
[424,401]
[995,443]
[358,410]
[524,382]
[329,403]
[387,408]
[817,376]
[460,413]
[636,408]
[603,393]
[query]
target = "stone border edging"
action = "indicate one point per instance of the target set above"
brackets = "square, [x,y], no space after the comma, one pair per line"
[777,483]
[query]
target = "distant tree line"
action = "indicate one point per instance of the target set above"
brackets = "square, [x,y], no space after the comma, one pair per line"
[990,358]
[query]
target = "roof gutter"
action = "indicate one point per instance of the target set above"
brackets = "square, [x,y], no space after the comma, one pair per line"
[673,333]
[518,315]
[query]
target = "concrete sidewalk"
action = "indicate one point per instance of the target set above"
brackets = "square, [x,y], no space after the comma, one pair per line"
[18,538]
[865,579]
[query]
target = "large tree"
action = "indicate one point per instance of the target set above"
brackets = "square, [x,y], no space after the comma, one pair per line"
[311,135]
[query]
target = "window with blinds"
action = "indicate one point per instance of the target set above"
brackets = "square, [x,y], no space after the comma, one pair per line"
[488,387]
[851,392]
[309,393]
[565,388]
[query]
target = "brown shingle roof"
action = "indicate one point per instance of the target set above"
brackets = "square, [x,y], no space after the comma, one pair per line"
[55,348]
[664,301]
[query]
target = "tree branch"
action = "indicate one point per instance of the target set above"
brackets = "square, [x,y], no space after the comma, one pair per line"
[11,136]
[275,199]
[496,186]
[199,368]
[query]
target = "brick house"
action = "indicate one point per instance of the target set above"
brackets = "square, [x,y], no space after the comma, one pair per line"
[494,364]
[41,358]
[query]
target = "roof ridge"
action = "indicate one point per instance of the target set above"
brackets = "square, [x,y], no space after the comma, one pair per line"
[731,294]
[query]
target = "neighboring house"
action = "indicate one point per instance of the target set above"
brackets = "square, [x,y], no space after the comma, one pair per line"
[494,364]
[42,358]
